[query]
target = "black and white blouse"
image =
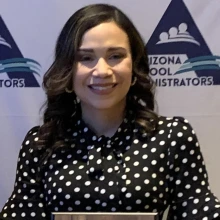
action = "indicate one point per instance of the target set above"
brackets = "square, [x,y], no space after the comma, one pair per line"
[129,172]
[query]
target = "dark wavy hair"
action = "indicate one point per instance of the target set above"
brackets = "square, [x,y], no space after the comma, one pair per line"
[61,105]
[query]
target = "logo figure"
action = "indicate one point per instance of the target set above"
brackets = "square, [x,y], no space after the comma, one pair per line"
[177,49]
[21,71]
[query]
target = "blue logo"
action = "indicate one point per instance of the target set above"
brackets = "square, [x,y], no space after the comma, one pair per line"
[20,71]
[178,53]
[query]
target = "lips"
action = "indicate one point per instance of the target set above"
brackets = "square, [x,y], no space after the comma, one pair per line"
[102,89]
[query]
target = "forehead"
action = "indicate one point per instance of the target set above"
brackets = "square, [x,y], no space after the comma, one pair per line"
[106,34]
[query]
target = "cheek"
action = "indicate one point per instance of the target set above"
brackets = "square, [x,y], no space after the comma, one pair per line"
[79,77]
[125,72]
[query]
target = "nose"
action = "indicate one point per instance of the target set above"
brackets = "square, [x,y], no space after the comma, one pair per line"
[102,69]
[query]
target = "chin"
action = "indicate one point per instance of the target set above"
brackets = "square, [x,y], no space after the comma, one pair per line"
[105,105]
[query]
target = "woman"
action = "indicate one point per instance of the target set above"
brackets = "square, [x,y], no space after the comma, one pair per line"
[102,148]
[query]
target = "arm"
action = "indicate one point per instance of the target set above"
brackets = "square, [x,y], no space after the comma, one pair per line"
[27,199]
[191,195]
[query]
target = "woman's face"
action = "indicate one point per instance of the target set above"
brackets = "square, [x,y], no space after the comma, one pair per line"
[104,67]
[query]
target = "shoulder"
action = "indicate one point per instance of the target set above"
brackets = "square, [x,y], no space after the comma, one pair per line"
[175,123]
[176,128]
[32,135]
[30,142]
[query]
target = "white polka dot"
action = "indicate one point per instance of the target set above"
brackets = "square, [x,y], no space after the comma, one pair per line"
[87,195]
[190,139]
[67,196]
[178,182]
[196,201]
[153,138]
[154,175]
[161,169]
[128,195]
[195,178]
[206,208]
[207,199]
[78,177]
[61,177]
[136,152]
[180,194]
[183,147]
[33,214]
[188,186]
[184,204]
[65,167]
[103,191]
[111,183]
[128,208]
[127,169]
[137,175]
[198,190]
[137,188]
[144,146]
[128,182]
[215,215]
[145,156]
[161,183]
[136,141]
[162,156]
[71,172]
[180,134]
[153,150]
[169,125]
[184,214]
[68,183]
[173,143]
[192,152]
[99,161]
[146,181]
[145,169]
[138,201]
[175,124]
[154,162]
[111,196]
[136,163]
[110,170]
[194,211]
[147,194]
[185,160]
[127,158]
[162,143]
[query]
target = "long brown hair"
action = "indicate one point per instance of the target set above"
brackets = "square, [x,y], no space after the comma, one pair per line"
[60,105]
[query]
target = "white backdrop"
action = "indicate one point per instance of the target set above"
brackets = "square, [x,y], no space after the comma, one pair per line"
[35,26]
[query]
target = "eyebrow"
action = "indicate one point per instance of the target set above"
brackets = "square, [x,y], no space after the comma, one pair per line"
[90,50]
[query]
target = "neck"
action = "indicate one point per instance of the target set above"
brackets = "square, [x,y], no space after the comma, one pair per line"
[103,121]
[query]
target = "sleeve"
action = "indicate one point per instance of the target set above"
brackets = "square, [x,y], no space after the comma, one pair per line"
[190,191]
[27,199]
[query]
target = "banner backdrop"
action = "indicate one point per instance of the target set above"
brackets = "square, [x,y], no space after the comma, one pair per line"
[182,38]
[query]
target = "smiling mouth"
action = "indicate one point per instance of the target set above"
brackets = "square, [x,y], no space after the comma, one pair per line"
[102,87]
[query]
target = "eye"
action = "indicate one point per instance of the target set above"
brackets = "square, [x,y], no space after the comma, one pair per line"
[116,56]
[85,58]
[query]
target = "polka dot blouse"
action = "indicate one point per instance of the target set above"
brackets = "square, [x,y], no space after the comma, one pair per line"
[129,172]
